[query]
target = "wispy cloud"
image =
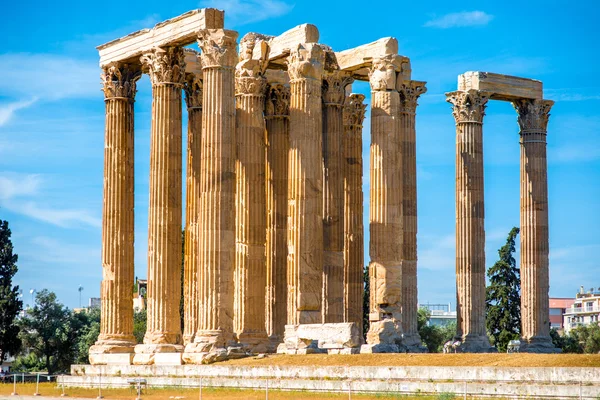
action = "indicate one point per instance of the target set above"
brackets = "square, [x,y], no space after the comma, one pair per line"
[573,94]
[20,193]
[438,253]
[460,19]
[241,12]
[8,110]
[48,76]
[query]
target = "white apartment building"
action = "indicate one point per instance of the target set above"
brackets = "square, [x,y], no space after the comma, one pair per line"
[585,309]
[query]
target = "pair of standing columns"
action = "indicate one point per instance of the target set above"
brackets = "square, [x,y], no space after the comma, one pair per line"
[469,110]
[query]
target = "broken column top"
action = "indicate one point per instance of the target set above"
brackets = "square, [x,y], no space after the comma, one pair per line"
[178,31]
[359,59]
[502,87]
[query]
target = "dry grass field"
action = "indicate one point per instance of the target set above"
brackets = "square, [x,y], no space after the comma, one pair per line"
[427,360]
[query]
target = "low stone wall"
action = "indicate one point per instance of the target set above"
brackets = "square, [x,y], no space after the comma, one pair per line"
[546,383]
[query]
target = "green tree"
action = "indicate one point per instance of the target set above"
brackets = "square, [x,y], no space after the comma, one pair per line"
[88,335]
[366,300]
[567,343]
[433,337]
[50,331]
[139,325]
[10,304]
[503,296]
[587,337]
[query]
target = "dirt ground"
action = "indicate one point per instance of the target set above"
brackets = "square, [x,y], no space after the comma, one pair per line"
[430,360]
[51,390]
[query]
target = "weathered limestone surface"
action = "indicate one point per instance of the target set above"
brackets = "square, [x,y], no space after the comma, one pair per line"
[354,114]
[166,68]
[178,31]
[535,332]
[217,196]
[409,93]
[277,113]
[193,99]
[280,46]
[386,222]
[315,338]
[251,219]
[305,186]
[468,110]
[116,324]
[362,56]
[334,93]
[500,87]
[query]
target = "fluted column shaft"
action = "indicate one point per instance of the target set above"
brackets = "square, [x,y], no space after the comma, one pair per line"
[354,113]
[166,68]
[116,323]
[385,246]
[409,93]
[193,98]
[305,187]
[468,111]
[333,196]
[217,192]
[278,144]
[533,121]
[251,218]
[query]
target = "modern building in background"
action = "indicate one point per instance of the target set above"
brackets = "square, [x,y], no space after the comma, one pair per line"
[558,307]
[441,314]
[584,311]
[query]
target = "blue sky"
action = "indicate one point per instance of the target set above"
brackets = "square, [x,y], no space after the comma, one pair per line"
[52,117]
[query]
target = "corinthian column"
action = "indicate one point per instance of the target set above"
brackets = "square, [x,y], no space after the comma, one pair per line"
[385,246]
[305,188]
[354,114]
[163,333]
[535,331]
[277,114]
[251,218]
[409,93]
[334,84]
[116,323]
[217,195]
[193,100]
[468,110]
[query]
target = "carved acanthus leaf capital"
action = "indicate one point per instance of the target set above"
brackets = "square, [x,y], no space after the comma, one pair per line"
[119,80]
[532,114]
[382,75]
[252,64]
[250,85]
[354,110]
[193,90]
[277,102]
[409,94]
[218,48]
[306,61]
[469,105]
[165,65]
[334,86]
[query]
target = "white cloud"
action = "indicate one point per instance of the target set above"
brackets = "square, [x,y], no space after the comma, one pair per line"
[48,76]
[19,193]
[51,250]
[8,110]
[572,94]
[437,253]
[241,12]
[460,19]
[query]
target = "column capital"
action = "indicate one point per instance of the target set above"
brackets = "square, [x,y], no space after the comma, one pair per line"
[218,48]
[277,104]
[383,73]
[468,105]
[119,81]
[334,87]
[250,69]
[354,110]
[193,91]
[166,66]
[306,61]
[533,115]
[409,94]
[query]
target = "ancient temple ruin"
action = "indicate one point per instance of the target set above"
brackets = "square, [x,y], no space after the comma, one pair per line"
[274,203]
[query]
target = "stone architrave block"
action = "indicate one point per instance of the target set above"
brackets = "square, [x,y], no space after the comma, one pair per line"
[502,87]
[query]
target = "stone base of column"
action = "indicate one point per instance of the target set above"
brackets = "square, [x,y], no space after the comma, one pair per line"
[254,342]
[187,339]
[106,352]
[475,344]
[538,344]
[208,347]
[157,353]
[274,341]
[413,344]
[384,336]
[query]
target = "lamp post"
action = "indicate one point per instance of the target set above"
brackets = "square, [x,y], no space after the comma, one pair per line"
[32,291]
[80,289]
